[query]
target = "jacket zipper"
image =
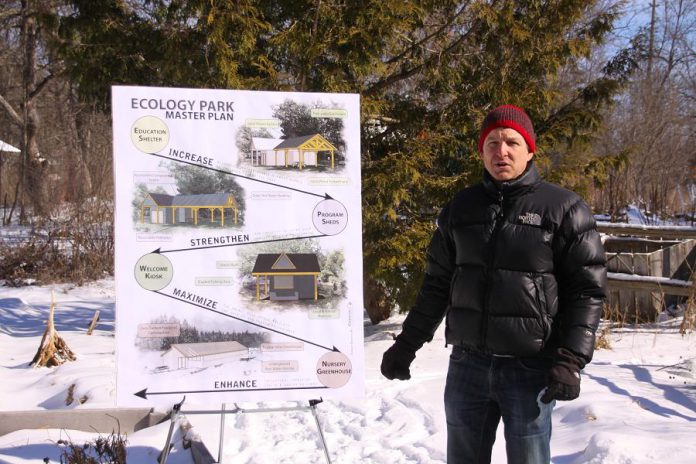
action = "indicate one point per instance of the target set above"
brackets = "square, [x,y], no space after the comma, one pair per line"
[489,265]
[541,308]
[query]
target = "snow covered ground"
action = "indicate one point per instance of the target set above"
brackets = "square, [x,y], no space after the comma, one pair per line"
[638,401]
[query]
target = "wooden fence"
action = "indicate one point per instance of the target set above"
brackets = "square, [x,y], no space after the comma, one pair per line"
[652,232]
[649,267]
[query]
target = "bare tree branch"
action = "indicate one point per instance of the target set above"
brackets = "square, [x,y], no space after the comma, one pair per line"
[408,72]
[427,38]
[40,86]
[9,14]
[16,118]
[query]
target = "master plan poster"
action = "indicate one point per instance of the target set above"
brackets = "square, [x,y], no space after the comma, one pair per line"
[238,245]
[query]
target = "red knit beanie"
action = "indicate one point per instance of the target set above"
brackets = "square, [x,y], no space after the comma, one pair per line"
[512,117]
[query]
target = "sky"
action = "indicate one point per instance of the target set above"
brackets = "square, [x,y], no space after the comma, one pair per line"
[637,405]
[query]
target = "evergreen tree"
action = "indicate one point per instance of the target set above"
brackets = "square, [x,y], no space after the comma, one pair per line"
[427,72]
[423,148]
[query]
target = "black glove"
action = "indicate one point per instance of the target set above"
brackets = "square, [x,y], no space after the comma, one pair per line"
[397,359]
[564,378]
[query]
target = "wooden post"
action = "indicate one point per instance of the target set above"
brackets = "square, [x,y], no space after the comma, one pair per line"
[93,324]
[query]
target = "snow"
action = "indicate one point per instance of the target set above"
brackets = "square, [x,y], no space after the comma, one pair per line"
[640,278]
[637,406]
[6,147]
[633,216]
[634,225]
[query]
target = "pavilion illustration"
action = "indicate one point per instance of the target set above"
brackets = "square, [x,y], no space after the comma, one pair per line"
[159,208]
[286,276]
[295,151]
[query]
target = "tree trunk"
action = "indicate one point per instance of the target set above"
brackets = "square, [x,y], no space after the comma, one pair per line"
[33,164]
[83,127]
[14,203]
[376,303]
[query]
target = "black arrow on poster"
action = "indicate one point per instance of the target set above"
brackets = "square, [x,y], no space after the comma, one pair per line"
[144,393]
[160,251]
[247,322]
[325,196]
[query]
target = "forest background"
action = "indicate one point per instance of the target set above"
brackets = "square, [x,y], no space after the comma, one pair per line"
[610,85]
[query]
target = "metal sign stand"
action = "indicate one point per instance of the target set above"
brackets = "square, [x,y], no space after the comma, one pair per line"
[176,412]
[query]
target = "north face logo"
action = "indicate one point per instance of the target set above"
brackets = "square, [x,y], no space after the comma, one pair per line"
[532,219]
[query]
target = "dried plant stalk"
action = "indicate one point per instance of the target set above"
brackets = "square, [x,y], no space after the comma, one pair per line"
[53,351]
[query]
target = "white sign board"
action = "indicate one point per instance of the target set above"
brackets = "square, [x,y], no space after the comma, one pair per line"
[238,245]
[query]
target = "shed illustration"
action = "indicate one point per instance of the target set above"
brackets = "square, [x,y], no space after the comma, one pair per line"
[294,151]
[159,208]
[196,355]
[287,276]
[262,150]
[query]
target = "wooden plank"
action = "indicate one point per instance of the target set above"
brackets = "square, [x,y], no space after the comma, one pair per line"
[666,286]
[672,232]
[681,264]
[101,420]
[647,301]
[620,262]
[622,298]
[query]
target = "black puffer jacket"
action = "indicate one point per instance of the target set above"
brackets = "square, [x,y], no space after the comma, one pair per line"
[517,267]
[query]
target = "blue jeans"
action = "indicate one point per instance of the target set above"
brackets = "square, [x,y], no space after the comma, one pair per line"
[481,389]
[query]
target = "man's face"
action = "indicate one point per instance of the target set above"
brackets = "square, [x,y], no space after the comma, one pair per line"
[505,154]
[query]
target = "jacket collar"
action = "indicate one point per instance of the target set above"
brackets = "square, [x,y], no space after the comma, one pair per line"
[527,180]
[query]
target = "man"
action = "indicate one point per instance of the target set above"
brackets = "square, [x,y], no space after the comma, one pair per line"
[517,267]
